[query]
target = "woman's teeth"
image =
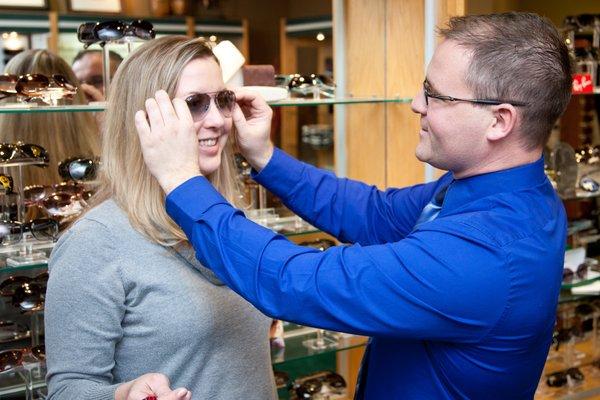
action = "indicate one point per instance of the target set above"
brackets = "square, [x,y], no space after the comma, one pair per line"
[207,142]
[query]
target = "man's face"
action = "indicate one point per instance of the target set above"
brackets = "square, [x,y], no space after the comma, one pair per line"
[88,69]
[452,135]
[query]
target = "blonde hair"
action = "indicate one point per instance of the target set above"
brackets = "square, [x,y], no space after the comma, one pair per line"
[124,176]
[62,134]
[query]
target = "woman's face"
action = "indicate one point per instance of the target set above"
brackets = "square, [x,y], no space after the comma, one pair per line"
[203,75]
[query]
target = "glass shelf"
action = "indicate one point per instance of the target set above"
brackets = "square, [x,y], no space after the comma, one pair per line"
[581,195]
[295,350]
[23,108]
[340,100]
[28,109]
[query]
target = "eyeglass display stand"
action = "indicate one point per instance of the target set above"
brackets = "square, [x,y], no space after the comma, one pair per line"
[26,255]
[106,60]
[321,342]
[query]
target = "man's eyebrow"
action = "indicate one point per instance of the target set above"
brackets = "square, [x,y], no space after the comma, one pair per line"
[430,85]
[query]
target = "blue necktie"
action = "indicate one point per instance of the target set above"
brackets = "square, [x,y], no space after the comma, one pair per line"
[429,213]
[433,208]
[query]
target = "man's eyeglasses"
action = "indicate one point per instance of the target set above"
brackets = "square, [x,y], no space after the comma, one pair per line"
[428,92]
[199,103]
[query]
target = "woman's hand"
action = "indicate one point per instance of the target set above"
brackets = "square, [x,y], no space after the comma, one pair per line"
[168,139]
[252,118]
[148,386]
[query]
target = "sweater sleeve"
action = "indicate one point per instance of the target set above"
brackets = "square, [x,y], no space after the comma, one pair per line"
[85,303]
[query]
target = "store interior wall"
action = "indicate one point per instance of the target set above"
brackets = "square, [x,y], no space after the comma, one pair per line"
[555,10]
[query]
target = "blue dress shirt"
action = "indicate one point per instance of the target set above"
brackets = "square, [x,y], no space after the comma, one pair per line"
[462,306]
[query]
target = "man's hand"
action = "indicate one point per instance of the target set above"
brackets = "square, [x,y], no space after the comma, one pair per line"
[168,139]
[252,119]
[91,92]
[151,385]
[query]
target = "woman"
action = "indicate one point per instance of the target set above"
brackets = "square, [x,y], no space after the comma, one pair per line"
[126,296]
[62,134]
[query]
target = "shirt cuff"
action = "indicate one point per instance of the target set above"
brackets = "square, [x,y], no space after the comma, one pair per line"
[189,201]
[281,174]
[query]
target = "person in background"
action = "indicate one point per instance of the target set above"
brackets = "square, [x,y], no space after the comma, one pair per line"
[62,134]
[457,280]
[129,310]
[88,66]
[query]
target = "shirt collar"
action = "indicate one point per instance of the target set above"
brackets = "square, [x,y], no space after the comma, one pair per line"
[465,190]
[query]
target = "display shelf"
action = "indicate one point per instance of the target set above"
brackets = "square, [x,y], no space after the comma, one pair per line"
[338,100]
[13,383]
[33,108]
[295,350]
[24,108]
[580,195]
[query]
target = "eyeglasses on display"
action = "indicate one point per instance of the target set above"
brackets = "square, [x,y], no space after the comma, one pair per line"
[561,378]
[23,152]
[319,385]
[43,229]
[14,358]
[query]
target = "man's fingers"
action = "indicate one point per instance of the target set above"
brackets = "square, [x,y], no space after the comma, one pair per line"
[92,93]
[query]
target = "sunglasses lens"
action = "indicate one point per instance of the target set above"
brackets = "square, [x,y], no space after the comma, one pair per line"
[567,275]
[63,82]
[109,30]
[29,297]
[35,193]
[6,184]
[85,33]
[34,151]
[10,359]
[79,169]
[10,232]
[56,201]
[8,83]
[7,151]
[143,29]
[32,84]
[10,284]
[225,101]
[198,104]
[44,229]
[39,352]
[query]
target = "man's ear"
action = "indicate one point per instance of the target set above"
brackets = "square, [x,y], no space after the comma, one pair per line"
[503,122]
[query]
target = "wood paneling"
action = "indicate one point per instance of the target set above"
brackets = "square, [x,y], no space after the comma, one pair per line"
[365,74]
[405,72]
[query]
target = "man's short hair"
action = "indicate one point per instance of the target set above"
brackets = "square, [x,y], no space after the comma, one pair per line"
[114,57]
[521,57]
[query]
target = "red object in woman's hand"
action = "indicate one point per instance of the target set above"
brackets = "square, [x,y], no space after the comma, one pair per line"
[151,398]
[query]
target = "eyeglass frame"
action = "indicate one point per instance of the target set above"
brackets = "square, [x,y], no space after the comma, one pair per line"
[488,102]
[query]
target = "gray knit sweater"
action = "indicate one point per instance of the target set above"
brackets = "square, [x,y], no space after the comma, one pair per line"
[119,306]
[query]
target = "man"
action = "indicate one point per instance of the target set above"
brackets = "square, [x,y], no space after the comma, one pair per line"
[88,65]
[456,281]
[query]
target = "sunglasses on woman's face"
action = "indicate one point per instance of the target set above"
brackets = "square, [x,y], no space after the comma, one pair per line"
[199,103]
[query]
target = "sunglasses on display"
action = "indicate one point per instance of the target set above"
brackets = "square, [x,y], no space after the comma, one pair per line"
[199,103]
[12,283]
[581,273]
[561,378]
[11,331]
[108,31]
[308,85]
[37,86]
[35,194]
[43,229]
[6,184]
[77,169]
[23,152]
[326,381]
[11,359]
[430,93]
